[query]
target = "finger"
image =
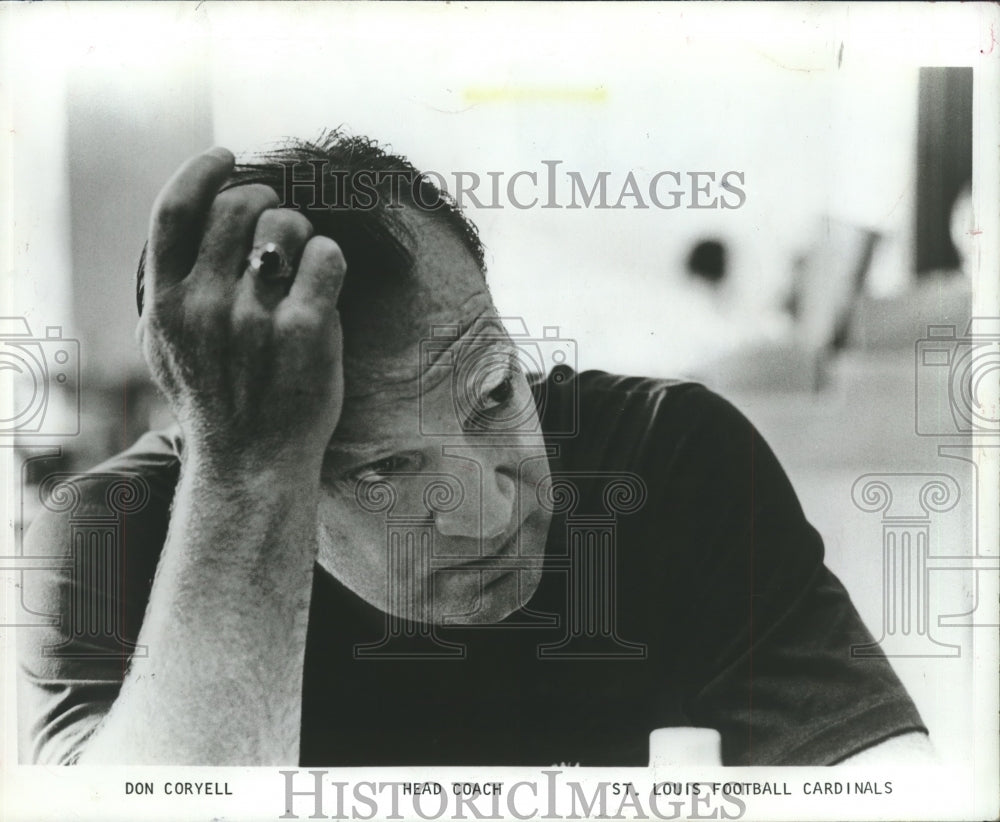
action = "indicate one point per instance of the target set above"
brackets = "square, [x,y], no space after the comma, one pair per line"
[178,216]
[229,232]
[278,241]
[320,275]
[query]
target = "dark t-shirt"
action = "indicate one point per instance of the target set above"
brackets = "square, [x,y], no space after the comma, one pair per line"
[682,587]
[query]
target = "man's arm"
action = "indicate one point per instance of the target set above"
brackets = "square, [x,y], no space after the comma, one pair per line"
[906,749]
[252,369]
[765,651]
[225,629]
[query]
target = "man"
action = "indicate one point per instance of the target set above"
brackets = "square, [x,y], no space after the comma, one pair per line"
[363,546]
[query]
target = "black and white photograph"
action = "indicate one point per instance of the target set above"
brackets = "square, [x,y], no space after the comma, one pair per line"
[500,411]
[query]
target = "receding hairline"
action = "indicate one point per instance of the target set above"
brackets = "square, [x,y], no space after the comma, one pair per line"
[339,152]
[373,238]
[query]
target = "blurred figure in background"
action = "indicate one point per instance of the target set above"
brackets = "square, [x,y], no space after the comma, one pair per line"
[941,296]
[707,263]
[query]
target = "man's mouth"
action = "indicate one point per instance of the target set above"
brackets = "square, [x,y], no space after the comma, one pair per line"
[493,557]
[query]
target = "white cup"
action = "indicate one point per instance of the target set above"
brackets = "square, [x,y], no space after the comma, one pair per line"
[682,747]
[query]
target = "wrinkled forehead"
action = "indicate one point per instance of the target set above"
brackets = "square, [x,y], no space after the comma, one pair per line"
[389,395]
[384,314]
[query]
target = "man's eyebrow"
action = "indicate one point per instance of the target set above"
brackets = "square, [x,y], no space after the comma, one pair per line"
[362,452]
[456,330]
[448,334]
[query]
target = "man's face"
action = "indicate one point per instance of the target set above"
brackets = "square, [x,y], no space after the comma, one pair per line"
[431,482]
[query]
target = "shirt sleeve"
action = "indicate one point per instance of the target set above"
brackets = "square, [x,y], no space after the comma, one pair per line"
[97,541]
[766,630]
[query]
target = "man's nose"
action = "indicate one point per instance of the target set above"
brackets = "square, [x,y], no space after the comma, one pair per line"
[487,508]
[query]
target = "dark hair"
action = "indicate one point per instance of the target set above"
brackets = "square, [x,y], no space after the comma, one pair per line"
[367,228]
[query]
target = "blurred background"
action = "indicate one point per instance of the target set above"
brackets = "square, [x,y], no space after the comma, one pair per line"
[804,306]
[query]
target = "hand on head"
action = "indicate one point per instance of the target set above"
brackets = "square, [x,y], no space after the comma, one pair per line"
[240,326]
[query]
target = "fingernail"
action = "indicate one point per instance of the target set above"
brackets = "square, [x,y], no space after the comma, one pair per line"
[221,153]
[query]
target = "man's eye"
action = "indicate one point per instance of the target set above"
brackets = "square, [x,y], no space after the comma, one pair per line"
[501,394]
[381,468]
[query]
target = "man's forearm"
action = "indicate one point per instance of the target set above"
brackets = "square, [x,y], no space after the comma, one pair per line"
[249,359]
[225,627]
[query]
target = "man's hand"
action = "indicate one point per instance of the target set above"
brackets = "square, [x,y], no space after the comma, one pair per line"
[240,327]
[241,331]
